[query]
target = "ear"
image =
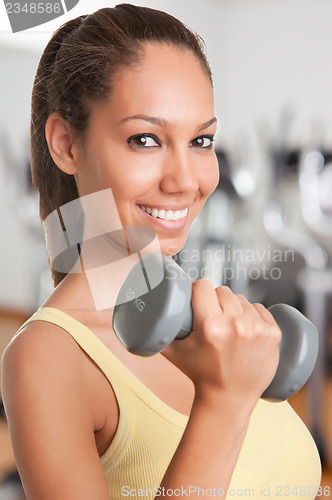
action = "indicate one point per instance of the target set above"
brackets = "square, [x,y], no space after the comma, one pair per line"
[60,140]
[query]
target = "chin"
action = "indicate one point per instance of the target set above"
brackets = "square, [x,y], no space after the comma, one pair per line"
[171,246]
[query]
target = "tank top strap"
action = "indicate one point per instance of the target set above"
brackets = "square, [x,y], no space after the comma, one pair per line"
[85,338]
[123,381]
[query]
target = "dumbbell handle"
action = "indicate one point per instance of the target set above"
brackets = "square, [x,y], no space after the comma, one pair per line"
[147,318]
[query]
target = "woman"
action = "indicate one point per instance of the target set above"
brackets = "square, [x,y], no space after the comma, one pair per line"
[123,100]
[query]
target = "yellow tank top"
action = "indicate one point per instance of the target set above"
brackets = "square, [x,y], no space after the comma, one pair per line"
[278,457]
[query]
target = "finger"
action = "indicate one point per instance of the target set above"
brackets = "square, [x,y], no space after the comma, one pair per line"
[264,313]
[228,301]
[204,300]
[248,309]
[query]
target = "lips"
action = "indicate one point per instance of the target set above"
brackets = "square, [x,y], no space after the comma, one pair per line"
[159,224]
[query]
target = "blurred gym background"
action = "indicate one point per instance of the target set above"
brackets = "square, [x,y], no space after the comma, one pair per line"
[266,231]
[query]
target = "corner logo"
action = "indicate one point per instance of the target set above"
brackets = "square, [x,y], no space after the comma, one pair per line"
[23,15]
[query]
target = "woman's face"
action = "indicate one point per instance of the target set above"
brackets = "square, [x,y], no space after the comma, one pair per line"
[151,143]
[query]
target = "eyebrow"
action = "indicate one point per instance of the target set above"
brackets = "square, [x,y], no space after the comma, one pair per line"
[161,122]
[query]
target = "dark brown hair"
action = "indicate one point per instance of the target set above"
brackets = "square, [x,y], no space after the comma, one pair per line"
[76,69]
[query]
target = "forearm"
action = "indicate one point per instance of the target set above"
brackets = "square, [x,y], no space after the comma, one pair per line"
[209,449]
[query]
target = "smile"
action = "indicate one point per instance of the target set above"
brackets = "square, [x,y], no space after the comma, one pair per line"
[165,214]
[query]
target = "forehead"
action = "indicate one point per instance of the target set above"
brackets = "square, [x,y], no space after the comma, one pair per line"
[168,81]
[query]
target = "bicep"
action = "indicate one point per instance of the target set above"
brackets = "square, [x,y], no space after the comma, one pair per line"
[50,422]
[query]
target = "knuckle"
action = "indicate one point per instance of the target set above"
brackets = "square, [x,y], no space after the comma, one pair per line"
[259,328]
[241,328]
[210,328]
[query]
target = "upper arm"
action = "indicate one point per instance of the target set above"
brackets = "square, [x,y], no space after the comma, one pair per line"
[49,417]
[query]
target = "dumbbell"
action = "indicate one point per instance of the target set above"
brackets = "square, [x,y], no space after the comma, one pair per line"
[153,308]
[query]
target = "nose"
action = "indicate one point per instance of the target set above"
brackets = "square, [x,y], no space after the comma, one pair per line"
[179,173]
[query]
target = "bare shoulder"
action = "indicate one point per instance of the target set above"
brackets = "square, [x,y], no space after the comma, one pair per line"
[42,352]
[39,336]
[42,366]
[50,411]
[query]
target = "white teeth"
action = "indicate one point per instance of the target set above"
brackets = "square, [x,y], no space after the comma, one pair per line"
[169,215]
[165,214]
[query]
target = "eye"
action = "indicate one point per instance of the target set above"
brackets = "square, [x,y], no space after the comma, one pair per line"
[144,141]
[203,141]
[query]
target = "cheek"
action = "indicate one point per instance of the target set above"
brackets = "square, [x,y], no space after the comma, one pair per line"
[129,177]
[136,175]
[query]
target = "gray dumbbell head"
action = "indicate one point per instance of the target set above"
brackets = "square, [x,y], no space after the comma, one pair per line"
[298,353]
[146,323]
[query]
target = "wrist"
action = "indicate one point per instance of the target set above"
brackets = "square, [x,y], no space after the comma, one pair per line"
[219,402]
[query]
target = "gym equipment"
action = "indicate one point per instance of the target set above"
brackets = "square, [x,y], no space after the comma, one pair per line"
[147,318]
